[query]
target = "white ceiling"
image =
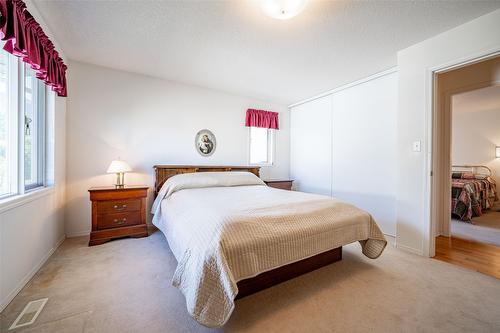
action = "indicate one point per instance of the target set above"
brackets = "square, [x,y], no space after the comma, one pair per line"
[232,46]
[485,99]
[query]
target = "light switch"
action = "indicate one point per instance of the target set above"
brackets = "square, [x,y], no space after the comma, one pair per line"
[416,146]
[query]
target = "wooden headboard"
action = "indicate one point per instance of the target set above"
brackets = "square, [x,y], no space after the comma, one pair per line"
[164,172]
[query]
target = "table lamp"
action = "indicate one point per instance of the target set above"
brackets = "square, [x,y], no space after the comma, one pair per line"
[119,167]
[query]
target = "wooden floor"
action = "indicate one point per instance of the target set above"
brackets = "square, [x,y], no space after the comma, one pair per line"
[480,257]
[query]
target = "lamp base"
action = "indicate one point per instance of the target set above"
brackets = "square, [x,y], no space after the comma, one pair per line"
[120,180]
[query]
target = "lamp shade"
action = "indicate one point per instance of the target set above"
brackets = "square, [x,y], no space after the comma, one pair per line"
[119,166]
[497,151]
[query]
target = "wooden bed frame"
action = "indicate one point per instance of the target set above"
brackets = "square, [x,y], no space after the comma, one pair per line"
[267,279]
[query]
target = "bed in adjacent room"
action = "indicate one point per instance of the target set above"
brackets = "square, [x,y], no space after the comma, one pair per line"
[473,191]
[232,235]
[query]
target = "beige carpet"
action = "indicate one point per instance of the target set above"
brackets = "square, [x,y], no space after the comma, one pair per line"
[124,286]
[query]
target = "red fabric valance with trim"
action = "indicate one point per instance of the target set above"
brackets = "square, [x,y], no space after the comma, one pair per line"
[25,38]
[261,118]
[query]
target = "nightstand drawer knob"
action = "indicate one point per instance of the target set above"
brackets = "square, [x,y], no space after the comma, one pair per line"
[122,221]
[120,208]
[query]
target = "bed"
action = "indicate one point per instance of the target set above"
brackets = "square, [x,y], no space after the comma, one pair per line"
[473,191]
[232,235]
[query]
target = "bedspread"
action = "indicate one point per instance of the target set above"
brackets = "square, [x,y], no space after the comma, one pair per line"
[221,235]
[470,197]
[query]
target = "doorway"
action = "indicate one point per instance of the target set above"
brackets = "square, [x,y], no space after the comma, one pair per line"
[465,184]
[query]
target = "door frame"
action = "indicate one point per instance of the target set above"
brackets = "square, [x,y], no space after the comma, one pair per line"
[432,193]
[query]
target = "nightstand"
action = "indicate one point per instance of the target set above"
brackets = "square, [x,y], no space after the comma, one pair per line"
[118,212]
[281,184]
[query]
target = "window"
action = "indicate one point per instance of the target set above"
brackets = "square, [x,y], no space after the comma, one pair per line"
[22,127]
[8,123]
[34,129]
[5,121]
[261,146]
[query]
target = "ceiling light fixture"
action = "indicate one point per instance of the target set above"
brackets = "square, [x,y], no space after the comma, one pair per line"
[283,9]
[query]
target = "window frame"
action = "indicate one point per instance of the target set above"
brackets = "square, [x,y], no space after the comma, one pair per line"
[16,112]
[41,129]
[271,148]
[13,120]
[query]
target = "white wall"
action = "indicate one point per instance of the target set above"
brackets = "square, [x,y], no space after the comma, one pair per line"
[473,39]
[31,231]
[475,134]
[148,121]
[344,144]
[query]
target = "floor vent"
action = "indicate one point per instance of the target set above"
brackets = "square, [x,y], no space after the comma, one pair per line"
[29,314]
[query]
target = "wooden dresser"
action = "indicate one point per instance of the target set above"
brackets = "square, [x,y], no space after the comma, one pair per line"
[118,212]
[281,184]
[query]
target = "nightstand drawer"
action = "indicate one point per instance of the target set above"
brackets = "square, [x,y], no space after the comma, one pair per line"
[281,184]
[118,220]
[118,206]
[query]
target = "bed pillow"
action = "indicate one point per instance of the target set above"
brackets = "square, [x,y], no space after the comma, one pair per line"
[204,179]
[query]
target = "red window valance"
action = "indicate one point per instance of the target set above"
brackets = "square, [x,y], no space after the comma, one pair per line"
[25,38]
[261,118]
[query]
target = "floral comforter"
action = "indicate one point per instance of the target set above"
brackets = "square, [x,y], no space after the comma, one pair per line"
[471,195]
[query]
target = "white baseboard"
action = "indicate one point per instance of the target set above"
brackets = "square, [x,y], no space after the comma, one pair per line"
[409,249]
[77,234]
[30,275]
[391,239]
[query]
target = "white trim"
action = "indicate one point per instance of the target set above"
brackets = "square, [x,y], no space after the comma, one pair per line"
[22,199]
[348,85]
[332,151]
[391,240]
[20,128]
[77,234]
[30,275]
[466,61]
[271,148]
[428,241]
[13,116]
[408,249]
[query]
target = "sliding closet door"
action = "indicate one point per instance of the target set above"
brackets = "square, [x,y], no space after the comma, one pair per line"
[311,146]
[364,148]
